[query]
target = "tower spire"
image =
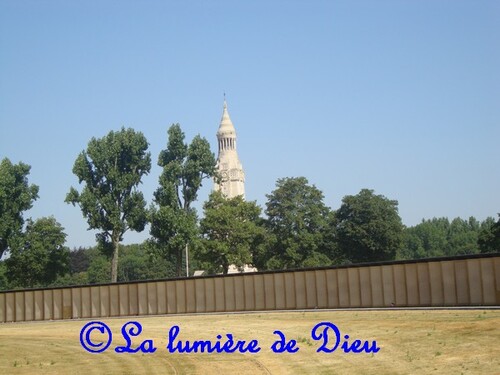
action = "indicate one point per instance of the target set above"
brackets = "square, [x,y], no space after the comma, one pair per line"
[228,163]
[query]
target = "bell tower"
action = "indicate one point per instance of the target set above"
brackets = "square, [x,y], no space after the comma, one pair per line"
[228,163]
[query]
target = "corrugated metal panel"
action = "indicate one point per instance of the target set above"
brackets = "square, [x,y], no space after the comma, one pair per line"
[464,281]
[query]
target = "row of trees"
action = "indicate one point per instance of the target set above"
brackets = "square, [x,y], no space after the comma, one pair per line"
[297,230]
[441,237]
[91,266]
[232,231]
[37,254]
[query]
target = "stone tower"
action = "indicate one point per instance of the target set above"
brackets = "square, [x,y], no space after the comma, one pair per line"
[228,163]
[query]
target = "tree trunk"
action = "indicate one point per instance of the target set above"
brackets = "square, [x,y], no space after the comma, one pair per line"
[114,260]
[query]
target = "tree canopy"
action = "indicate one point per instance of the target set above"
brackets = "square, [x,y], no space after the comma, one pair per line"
[232,231]
[298,220]
[112,168]
[489,236]
[16,196]
[38,256]
[368,227]
[173,220]
[441,237]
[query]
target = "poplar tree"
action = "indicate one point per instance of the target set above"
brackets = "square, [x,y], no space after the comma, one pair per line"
[111,169]
[173,219]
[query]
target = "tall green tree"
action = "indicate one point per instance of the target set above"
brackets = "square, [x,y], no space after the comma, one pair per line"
[16,196]
[173,219]
[112,168]
[368,227]
[38,256]
[489,236]
[232,231]
[298,220]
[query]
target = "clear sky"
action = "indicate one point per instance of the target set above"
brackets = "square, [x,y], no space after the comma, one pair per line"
[402,97]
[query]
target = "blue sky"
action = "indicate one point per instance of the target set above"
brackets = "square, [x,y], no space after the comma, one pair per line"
[402,97]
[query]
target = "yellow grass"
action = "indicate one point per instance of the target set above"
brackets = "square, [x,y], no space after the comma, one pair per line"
[411,342]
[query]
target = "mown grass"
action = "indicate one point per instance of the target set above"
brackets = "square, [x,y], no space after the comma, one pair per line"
[411,342]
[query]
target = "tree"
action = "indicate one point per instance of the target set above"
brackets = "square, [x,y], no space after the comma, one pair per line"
[489,236]
[440,237]
[38,256]
[425,240]
[173,220]
[138,264]
[79,260]
[99,269]
[112,168]
[368,227]
[463,237]
[298,221]
[232,230]
[16,196]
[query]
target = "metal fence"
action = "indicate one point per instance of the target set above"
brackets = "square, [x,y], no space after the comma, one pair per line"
[459,281]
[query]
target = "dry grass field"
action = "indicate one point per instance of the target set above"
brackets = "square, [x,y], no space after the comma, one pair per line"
[411,342]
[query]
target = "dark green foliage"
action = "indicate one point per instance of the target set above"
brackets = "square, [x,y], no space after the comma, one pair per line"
[38,256]
[489,236]
[136,263]
[368,227]
[78,260]
[171,230]
[425,240]
[4,282]
[112,168]
[173,220]
[99,270]
[232,231]
[439,237]
[68,279]
[463,236]
[16,196]
[298,223]
[184,169]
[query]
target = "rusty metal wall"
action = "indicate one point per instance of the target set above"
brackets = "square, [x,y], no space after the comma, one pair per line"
[471,281]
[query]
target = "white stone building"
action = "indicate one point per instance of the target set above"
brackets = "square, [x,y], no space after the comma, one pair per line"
[228,163]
